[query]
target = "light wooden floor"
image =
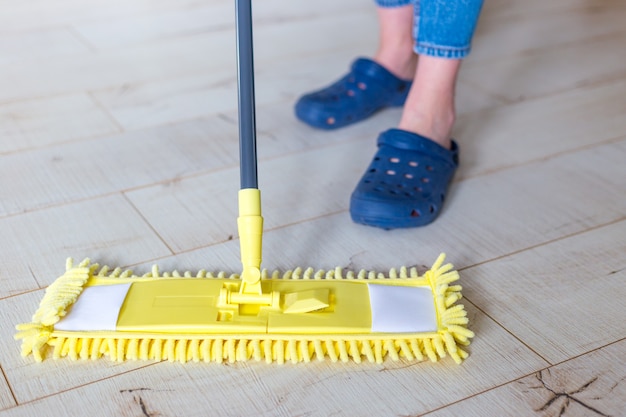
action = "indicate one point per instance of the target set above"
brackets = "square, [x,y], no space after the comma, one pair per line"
[118,142]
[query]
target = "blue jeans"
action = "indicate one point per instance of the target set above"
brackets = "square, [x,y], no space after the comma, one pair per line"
[441,28]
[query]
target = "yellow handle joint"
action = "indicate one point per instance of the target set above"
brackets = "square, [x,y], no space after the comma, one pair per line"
[250,226]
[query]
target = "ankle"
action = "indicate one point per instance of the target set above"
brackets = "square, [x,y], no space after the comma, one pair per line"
[398,61]
[429,108]
[436,127]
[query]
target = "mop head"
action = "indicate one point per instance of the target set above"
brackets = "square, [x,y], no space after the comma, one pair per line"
[91,312]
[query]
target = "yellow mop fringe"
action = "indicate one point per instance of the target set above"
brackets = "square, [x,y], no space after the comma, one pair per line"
[451,319]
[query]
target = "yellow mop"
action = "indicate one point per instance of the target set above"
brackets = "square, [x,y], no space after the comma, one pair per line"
[92,311]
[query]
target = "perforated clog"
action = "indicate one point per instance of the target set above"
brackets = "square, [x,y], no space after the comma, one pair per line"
[367,88]
[406,182]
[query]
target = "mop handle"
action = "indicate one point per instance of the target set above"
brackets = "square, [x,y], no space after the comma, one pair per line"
[250,221]
[245,81]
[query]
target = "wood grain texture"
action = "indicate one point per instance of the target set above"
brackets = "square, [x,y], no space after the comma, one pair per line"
[43,122]
[120,31]
[544,295]
[535,129]
[590,385]
[39,46]
[6,397]
[98,166]
[33,15]
[545,71]
[204,52]
[106,228]
[541,26]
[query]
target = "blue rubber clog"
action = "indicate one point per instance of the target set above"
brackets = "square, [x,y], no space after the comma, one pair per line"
[367,88]
[406,183]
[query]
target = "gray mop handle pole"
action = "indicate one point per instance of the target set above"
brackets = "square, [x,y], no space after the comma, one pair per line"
[245,82]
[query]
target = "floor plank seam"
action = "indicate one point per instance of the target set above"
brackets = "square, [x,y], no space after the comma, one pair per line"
[150,226]
[542,49]
[190,250]
[260,68]
[606,79]
[526,345]
[11,391]
[543,158]
[503,100]
[6,297]
[166,181]
[532,247]
[107,112]
[79,36]
[43,397]
[623,338]
[64,142]
[259,22]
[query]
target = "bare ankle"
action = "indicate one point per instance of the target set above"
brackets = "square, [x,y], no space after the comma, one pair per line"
[401,64]
[436,127]
[429,108]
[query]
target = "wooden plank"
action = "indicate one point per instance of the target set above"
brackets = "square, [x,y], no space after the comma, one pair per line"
[198,209]
[589,385]
[38,243]
[46,121]
[544,295]
[535,8]
[547,71]
[42,45]
[267,389]
[93,167]
[184,21]
[33,15]
[530,130]
[6,397]
[505,32]
[142,105]
[195,54]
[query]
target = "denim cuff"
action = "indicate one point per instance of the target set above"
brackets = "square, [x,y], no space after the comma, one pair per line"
[438,51]
[393,3]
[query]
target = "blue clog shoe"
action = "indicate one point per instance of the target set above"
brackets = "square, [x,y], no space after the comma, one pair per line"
[367,88]
[406,183]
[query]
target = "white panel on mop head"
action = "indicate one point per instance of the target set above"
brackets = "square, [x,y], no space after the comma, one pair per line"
[399,309]
[97,308]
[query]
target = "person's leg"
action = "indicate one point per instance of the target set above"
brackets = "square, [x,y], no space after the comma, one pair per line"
[443,33]
[395,48]
[371,84]
[406,183]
